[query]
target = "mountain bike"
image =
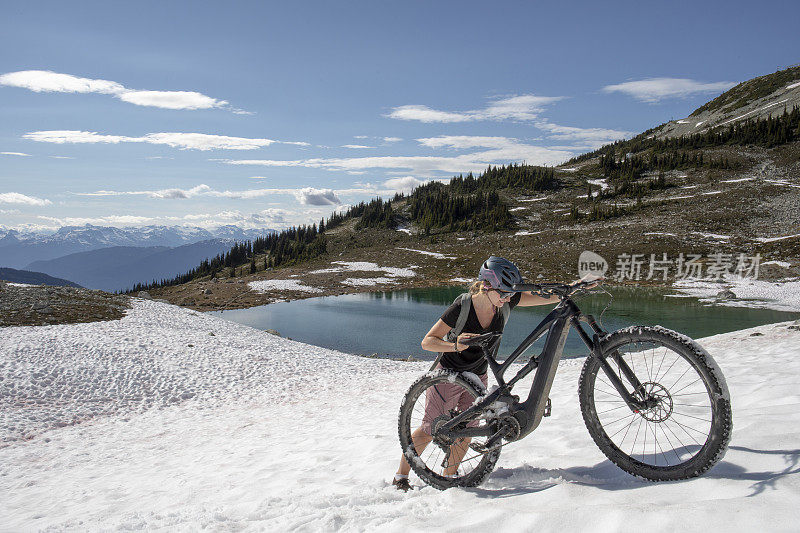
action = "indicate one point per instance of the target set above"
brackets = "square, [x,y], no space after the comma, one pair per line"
[653,400]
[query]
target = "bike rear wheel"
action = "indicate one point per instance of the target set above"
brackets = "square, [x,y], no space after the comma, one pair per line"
[687,424]
[433,463]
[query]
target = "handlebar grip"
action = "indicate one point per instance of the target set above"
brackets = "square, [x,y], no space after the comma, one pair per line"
[522,287]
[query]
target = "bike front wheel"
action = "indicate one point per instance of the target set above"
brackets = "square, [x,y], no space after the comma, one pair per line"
[687,422]
[432,400]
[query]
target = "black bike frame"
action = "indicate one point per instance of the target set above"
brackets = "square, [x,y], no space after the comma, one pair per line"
[530,412]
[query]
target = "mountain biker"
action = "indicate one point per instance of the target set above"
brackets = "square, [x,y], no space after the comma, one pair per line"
[493,289]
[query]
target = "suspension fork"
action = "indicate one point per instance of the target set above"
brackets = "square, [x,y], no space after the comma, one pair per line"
[593,343]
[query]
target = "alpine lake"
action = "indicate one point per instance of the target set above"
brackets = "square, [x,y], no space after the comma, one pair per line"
[392,324]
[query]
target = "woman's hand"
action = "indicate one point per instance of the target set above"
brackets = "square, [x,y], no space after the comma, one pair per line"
[595,281]
[464,336]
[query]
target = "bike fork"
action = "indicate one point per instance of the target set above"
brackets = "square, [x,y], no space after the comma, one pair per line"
[633,403]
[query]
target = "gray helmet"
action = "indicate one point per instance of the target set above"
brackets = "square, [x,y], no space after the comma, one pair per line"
[500,273]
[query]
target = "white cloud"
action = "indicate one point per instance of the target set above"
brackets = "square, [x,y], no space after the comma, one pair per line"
[311,196]
[652,90]
[184,141]
[356,146]
[424,113]
[594,137]
[171,99]
[392,139]
[18,198]
[47,81]
[10,211]
[60,157]
[360,136]
[403,184]
[467,141]
[521,107]
[306,196]
[15,153]
[271,218]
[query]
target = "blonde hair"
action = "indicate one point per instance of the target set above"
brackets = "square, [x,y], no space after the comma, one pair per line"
[477,286]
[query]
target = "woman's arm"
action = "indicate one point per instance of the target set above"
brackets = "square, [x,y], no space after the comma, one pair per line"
[434,339]
[529,298]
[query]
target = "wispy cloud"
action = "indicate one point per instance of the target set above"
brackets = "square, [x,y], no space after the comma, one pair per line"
[502,150]
[653,90]
[523,107]
[462,142]
[47,81]
[184,141]
[306,195]
[15,153]
[392,139]
[18,198]
[586,137]
[356,146]
[262,219]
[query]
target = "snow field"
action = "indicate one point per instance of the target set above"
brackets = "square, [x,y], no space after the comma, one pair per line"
[286,436]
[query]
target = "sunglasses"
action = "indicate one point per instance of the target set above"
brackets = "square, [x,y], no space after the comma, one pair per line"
[503,294]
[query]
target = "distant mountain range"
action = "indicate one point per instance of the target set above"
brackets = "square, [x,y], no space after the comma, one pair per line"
[119,267]
[19,249]
[33,278]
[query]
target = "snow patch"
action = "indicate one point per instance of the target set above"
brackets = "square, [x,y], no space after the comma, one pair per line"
[749,292]
[281,284]
[713,235]
[534,199]
[736,180]
[363,266]
[773,239]
[437,255]
[367,282]
[782,264]
[526,232]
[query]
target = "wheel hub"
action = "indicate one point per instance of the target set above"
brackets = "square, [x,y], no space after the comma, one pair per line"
[658,402]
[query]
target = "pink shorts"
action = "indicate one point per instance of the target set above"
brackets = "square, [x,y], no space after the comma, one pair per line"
[444,397]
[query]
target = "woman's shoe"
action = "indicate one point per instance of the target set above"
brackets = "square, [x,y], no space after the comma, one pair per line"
[402,484]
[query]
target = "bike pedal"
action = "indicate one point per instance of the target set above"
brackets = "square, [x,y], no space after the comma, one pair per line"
[548,408]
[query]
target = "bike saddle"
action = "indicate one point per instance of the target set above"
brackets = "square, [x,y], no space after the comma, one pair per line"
[484,339]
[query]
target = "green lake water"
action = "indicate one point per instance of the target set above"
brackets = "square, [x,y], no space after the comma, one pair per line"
[392,324]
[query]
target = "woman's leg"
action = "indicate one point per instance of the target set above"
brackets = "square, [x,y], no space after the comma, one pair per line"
[420,440]
[460,447]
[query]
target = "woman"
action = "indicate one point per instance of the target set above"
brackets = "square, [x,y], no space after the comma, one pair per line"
[490,293]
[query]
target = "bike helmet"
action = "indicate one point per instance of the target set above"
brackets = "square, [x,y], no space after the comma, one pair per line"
[500,273]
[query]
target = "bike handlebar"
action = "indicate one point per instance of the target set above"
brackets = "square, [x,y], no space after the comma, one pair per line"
[561,289]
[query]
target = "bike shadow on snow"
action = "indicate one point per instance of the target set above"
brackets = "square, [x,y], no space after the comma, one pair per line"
[527,479]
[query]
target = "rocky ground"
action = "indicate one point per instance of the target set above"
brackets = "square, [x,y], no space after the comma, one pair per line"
[40,305]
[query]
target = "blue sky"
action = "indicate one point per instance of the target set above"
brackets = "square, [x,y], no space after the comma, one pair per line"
[268,114]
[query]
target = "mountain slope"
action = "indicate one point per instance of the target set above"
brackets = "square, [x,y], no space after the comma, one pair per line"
[120,267]
[33,278]
[760,97]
